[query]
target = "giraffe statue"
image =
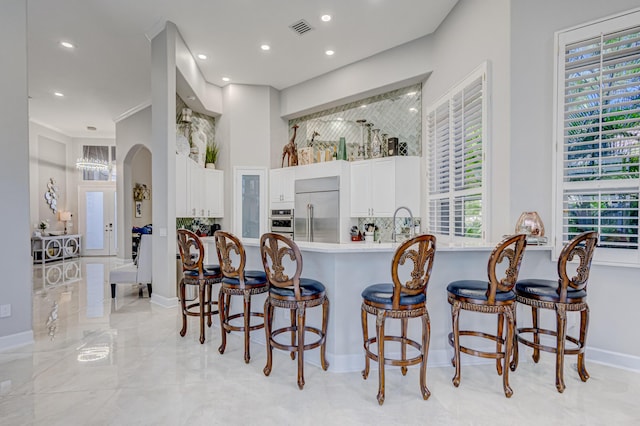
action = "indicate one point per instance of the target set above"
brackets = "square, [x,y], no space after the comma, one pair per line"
[290,150]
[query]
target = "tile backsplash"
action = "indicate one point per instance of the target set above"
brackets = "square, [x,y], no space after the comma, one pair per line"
[385,226]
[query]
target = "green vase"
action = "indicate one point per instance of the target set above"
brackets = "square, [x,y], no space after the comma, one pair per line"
[342,149]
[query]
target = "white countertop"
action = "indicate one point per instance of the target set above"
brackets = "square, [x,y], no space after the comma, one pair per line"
[361,246]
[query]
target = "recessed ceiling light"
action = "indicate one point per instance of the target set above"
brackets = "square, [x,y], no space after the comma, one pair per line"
[202,56]
[325,18]
[58,94]
[413,109]
[412,93]
[363,106]
[67,44]
[329,52]
[265,47]
[225,79]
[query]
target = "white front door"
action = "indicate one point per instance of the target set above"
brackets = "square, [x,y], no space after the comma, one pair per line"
[97,220]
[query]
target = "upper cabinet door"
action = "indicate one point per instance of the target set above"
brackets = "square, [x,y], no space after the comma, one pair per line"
[214,193]
[383,187]
[281,187]
[361,189]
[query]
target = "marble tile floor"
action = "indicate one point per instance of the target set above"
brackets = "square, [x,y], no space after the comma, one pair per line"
[101,362]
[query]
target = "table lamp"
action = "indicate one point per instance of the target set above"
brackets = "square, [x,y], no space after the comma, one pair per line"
[64,216]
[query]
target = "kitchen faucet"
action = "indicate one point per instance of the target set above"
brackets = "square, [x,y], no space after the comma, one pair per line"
[394,235]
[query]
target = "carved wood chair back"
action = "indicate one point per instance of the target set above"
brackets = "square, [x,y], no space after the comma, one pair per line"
[582,246]
[274,248]
[189,245]
[420,252]
[226,245]
[512,249]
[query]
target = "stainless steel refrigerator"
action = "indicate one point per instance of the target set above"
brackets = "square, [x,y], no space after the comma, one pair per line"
[317,207]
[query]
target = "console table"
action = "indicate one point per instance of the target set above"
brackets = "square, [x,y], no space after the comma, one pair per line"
[55,247]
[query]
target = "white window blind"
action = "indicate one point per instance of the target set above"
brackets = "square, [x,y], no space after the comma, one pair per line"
[599,135]
[456,131]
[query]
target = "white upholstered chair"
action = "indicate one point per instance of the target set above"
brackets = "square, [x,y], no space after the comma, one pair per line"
[132,273]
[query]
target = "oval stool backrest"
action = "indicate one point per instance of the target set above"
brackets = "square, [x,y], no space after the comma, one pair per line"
[225,244]
[420,251]
[273,249]
[511,248]
[188,242]
[583,246]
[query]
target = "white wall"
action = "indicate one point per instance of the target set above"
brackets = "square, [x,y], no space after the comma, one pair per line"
[15,253]
[246,131]
[612,290]
[41,137]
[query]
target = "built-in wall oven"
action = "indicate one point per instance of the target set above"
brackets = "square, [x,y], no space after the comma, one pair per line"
[281,222]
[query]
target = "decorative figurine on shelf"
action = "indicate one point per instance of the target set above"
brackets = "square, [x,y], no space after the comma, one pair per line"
[313,137]
[290,150]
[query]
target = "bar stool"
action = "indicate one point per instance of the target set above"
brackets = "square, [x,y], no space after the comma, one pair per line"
[237,282]
[195,274]
[401,300]
[495,296]
[289,291]
[567,293]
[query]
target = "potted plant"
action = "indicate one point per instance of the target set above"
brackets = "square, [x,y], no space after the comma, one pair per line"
[211,155]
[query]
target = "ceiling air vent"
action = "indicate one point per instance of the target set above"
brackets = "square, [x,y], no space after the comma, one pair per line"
[301,27]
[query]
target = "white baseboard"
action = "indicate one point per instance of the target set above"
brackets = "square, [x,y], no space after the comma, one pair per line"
[613,359]
[165,302]
[16,340]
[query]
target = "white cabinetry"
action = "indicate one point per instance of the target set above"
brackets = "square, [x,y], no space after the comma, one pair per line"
[281,187]
[381,185]
[213,193]
[199,191]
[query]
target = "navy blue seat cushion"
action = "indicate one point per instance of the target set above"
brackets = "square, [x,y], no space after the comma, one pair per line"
[214,268]
[383,294]
[546,289]
[209,271]
[250,278]
[308,287]
[477,290]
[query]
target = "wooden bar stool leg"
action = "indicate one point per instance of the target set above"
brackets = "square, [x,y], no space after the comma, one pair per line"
[209,302]
[268,318]
[183,306]
[365,337]
[584,326]
[426,335]
[325,323]
[510,317]
[223,319]
[202,309]
[561,316]
[403,349]
[514,360]
[293,332]
[536,336]
[455,316]
[301,324]
[499,333]
[380,341]
[247,321]
[227,308]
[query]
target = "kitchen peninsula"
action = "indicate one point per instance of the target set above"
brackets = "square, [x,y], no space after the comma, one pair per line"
[346,269]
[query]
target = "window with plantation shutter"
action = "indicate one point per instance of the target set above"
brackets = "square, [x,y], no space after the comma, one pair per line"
[598,135]
[456,132]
